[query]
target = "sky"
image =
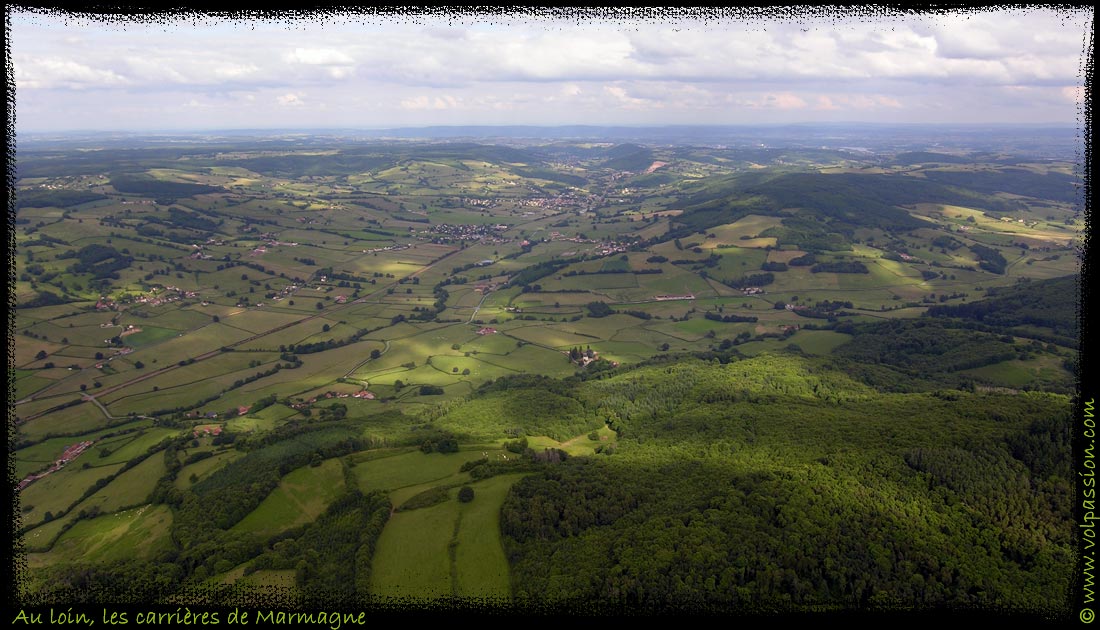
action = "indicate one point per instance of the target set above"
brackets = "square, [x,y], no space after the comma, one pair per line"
[202,72]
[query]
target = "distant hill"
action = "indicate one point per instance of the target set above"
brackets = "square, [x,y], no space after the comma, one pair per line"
[1039,303]
[846,200]
[1018,181]
[54,198]
[923,157]
[164,192]
[629,157]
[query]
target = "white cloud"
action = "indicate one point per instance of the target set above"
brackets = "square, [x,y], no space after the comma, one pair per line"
[785,100]
[1074,94]
[289,100]
[59,72]
[825,103]
[539,69]
[318,57]
[416,102]
[235,70]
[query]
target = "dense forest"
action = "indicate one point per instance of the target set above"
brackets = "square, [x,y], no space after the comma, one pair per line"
[826,495]
[1049,304]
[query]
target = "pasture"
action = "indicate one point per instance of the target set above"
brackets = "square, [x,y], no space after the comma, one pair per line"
[302,495]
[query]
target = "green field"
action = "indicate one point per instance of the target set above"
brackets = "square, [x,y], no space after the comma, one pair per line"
[906,450]
[447,549]
[403,469]
[134,533]
[301,496]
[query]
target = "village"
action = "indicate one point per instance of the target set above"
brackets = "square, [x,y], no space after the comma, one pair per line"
[67,456]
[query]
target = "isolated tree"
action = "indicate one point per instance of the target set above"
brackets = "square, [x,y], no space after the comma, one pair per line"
[466,494]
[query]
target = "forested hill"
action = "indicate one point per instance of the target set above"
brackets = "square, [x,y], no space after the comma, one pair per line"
[845,201]
[823,496]
[1048,304]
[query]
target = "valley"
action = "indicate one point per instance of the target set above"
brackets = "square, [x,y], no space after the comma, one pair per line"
[670,371]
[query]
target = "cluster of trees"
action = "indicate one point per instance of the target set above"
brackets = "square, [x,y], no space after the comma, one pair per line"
[329,344]
[60,198]
[751,280]
[332,555]
[989,259]
[440,442]
[164,192]
[101,261]
[717,317]
[599,309]
[840,266]
[43,298]
[637,272]
[183,219]
[576,354]
[1044,303]
[540,270]
[225,497]
[926,346]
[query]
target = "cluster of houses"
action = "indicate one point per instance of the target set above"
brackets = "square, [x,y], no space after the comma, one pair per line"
[176,294]
[752,291]
[203,431]
[69,455]
[284,292]
[487,331]
[484,203]
[485,287]
[388,248]
[361,394]
[606,247]
[611,248]
[583,357]
[446,232]
[564,199]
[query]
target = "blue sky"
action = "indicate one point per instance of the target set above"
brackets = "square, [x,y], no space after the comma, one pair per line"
[201,72]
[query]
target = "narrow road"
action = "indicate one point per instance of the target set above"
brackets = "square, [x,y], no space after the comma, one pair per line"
[477,308]
[364,361]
